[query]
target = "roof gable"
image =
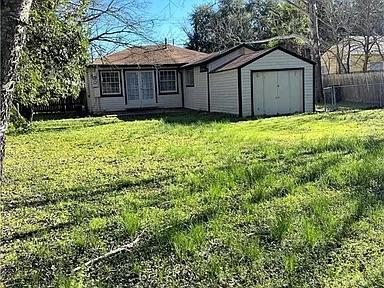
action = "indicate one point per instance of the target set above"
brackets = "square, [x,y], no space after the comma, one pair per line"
[244,60]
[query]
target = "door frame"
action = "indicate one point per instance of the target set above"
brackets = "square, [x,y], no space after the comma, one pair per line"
[154,85]
[276,70]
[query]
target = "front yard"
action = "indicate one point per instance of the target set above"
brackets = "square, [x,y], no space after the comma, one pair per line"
[287,201]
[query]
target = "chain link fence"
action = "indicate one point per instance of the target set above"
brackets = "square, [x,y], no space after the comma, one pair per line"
[353,91]
[347,97]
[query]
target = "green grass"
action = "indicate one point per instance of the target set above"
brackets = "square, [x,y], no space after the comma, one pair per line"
[288,201]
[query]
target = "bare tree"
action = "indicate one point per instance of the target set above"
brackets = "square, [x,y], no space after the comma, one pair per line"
[115,24]
[369,21]
[14,18]
[309,7]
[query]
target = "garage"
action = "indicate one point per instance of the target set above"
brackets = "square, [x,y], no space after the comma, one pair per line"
[278,92]
[273,81]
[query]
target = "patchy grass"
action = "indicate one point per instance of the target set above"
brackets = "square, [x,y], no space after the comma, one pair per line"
[287,201]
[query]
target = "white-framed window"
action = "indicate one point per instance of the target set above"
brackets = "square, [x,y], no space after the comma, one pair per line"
[110,82]
[167,81]
[190,77]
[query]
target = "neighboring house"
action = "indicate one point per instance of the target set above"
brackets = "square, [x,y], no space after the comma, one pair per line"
[238,81]
[349,56]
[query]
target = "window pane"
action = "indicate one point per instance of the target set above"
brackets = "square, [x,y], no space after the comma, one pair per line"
[167,81]
[132,85]
[110,82]
[147,85]
[190,77]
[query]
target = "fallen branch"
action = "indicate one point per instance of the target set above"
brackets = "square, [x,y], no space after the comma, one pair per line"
[125,247]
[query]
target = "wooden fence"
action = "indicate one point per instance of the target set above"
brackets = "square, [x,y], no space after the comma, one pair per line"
[68,104]
[367,88]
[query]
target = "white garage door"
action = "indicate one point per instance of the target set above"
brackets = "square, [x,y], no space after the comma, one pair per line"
[278,92]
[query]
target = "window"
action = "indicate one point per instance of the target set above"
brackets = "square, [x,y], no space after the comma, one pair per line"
[110,83]
[167,81]
[190,75]
[376,66]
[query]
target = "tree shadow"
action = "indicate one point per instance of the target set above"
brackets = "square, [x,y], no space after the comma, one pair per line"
[83,193]
[183,117]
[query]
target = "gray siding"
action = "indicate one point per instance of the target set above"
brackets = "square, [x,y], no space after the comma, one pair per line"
[277,60]
[224,92]
[197,97]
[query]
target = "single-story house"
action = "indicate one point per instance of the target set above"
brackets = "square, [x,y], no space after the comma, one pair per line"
[238,81]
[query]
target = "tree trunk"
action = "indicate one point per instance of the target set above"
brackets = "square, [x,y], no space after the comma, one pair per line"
[312,8]
[14,16]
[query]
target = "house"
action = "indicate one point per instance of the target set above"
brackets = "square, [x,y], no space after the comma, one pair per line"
[349,56]
[238,81]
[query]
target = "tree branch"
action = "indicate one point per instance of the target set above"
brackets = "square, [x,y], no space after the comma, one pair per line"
[125,247]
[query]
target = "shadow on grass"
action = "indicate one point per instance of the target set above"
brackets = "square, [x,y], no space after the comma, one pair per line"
[184,117]
[83,193]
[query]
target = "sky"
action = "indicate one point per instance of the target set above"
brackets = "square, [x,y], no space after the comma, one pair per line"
[172,15]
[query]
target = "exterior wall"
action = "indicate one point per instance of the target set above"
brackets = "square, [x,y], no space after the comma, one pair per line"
[170,100]
[196,97]
[224,92]
[101,104]
[277,60]
[96,103]
[356,63]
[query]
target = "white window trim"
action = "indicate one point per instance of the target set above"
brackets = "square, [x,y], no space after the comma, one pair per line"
[193,77]
[176,83]
[101,83]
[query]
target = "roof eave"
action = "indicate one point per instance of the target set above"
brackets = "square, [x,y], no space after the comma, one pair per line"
[218,56]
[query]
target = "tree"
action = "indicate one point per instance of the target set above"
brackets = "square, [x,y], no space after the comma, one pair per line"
[202,37]
[115,24]
[368,23]
[335,28]
[14,17]
[230,23]
[58,40]
[55,54]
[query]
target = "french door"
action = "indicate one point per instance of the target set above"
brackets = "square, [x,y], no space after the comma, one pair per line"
[140,88]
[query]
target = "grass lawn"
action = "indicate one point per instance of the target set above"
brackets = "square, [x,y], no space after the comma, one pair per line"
[279,202]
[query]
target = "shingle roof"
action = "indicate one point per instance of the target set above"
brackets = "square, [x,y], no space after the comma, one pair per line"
[239,61]
[215,55]
[248,58]
[151,55]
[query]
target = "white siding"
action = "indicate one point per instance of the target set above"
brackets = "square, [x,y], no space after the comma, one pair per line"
[197,97]
[97,104]
[277,60]
[224,92]
[170,100]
